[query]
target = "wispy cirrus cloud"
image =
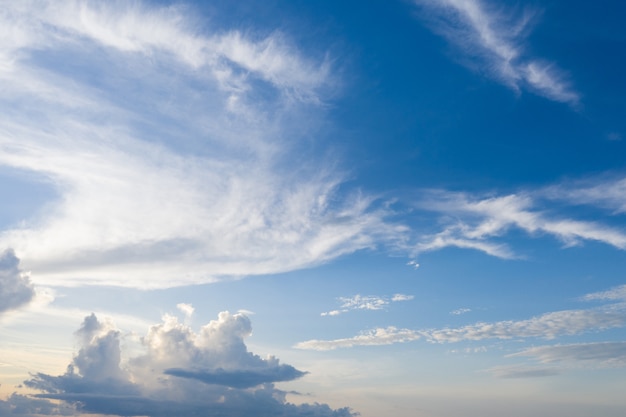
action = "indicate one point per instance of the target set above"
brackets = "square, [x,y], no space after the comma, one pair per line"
[366,302]
[377,337]
[608,192]
[491,39]
[476,222]
[154,112]
[595,355]
[557,359]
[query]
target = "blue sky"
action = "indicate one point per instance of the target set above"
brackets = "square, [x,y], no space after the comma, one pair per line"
[410,208]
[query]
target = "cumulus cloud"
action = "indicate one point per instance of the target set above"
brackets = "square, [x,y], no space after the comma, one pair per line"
[181,372]
[492,40]
[161,109]
[479,222]
[16,289]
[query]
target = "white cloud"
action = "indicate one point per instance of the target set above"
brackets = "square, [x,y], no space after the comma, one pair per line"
[16,290]
[402,297]
[186,309]
[376,337]
[616,293]
[492,39]
[460,311]
[181,372]
[478,222]
[366,302]
[609,193]
[546,326]
[152,113]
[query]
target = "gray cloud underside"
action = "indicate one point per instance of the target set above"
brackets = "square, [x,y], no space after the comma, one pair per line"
[239,379]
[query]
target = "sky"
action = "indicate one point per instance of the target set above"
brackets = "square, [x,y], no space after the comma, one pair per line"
[312,208]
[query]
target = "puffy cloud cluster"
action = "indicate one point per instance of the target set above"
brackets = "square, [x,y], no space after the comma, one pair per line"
[180,372]
[16,289]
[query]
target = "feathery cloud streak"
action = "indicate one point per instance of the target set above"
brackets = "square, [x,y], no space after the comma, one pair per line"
[477,222]
[492,41]
[150,113]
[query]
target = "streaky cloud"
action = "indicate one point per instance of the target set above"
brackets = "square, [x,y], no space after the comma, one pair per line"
[214,150]
[492,39]
[517,372]
[479,222]
[585,355]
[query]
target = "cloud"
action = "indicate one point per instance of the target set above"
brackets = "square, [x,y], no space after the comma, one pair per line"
[239,379]
[514,372]
[24,406]
[460,311]
[371,302]
[615,293]
[609,193]
[186,309]
[180,372]
[546,326]
[123,107]
[376,337]
[594,355]
[492,40]
[477,223]
[16,290]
